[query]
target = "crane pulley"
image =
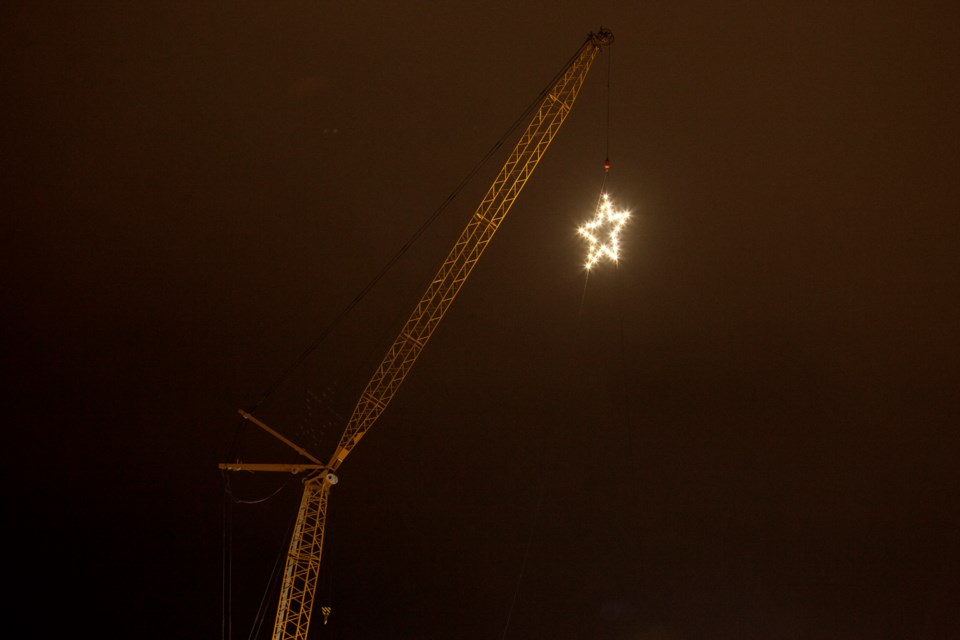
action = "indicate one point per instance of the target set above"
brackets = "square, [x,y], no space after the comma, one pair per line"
[303,557]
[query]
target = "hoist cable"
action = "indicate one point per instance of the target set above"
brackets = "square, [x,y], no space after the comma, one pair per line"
[226,605]
[261,614]
[523,564]
[286,373]
[606,164]
[623,361]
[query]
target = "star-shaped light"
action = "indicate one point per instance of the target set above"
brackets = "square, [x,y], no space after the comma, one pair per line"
[603,232]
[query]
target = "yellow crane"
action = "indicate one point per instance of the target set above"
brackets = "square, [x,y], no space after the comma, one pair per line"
[302,566]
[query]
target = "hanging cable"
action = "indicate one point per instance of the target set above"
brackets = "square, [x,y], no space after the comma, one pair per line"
[623,360]
[226,605]
[523,564]
[286,373]
[619,289]
[262,615]
[606,163]
[230,498]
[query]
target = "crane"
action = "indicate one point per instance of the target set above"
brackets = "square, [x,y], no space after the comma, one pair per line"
[302,566]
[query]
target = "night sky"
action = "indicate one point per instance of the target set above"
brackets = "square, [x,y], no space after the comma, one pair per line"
[745,429]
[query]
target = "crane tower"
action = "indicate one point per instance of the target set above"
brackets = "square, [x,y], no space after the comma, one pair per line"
[302,566]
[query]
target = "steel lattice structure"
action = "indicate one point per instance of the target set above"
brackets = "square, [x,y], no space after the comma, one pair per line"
[303,558]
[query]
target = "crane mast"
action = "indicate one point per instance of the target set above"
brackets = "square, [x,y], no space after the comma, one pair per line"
[303,558]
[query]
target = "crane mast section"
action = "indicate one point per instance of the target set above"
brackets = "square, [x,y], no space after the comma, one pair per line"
[465,253]
[303,564]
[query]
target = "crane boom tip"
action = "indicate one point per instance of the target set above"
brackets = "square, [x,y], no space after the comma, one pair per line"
[602,38]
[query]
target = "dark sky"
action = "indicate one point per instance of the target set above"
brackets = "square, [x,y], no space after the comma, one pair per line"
[747,429]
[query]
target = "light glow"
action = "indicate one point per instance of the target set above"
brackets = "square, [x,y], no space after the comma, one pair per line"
[603,232]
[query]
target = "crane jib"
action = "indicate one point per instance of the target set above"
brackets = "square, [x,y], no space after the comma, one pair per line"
[303,558]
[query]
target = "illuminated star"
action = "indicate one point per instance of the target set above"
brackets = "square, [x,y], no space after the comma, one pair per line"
[603,232]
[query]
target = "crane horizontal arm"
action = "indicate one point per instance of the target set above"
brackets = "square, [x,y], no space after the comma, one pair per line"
[286,468]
